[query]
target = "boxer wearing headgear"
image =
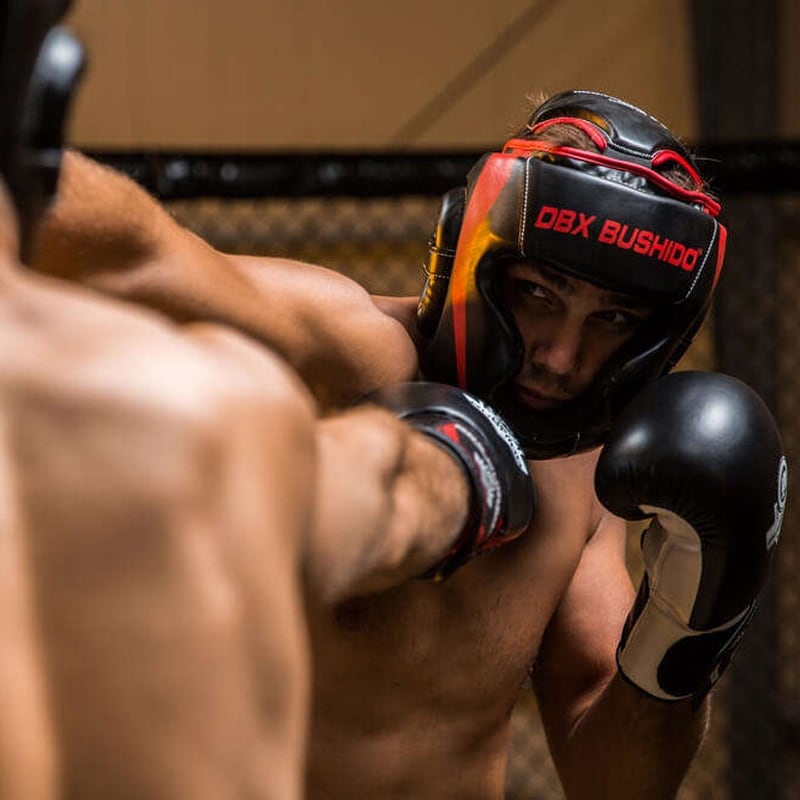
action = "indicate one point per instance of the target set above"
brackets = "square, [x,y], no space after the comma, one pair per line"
[612,218]
[604,205]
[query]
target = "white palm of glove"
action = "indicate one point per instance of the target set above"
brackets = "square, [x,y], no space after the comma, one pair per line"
[673,560]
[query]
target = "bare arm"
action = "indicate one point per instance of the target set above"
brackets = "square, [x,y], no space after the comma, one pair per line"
[385,502]
[389,503]
[106,232]
[435,478]
[608,739]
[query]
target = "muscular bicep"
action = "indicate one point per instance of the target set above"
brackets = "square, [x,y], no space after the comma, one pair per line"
[322,323]
[577,656]
[107,233]
[328,327]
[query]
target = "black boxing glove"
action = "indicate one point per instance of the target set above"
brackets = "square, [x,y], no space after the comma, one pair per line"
[502,495]
[700,453]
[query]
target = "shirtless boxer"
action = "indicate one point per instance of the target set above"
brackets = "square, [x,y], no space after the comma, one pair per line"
[157,497]
[570,275]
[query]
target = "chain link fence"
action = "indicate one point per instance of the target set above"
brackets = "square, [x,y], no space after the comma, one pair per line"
[752,749]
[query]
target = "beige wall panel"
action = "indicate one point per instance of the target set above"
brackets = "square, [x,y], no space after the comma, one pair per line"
[258,74]
[640,53]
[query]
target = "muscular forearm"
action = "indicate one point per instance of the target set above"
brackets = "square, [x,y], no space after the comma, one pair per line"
[389,504]
[626,746]
[607,737]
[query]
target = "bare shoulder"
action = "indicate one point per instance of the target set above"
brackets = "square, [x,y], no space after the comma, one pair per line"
[401,309]
[579,467]
[104,370]
[568,485]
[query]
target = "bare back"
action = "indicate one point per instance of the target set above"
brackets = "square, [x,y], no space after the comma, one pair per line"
[134,473]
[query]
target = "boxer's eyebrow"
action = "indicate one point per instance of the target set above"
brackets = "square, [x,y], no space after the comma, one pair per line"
[558,280]
[626,301]
[609,298]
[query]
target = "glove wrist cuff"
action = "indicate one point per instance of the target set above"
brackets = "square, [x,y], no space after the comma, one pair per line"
[668,660]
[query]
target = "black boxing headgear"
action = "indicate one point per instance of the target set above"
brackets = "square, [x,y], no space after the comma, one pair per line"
[39,68]
[611,218]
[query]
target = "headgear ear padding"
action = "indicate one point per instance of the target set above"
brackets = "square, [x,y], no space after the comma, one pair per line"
[609,218]
[441,255]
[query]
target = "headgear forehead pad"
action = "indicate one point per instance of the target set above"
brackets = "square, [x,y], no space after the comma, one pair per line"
[612,218]
[39,68]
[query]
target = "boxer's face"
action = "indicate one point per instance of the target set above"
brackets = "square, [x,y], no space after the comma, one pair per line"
[569,328]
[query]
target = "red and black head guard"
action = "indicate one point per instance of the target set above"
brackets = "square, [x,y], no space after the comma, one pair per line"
[611,218]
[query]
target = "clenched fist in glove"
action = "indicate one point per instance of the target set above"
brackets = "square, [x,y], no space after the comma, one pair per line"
[701,455]
[502,495]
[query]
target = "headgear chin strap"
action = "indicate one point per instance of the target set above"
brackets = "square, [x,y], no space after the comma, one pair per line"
[610,218]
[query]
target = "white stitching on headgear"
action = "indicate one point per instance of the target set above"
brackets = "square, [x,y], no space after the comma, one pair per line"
[524,210]
[710,247]
[630,150]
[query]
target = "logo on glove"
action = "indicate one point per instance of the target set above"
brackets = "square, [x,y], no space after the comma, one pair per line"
[780,506]
[503,431]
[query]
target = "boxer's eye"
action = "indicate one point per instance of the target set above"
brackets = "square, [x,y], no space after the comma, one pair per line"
[536,290]
[621,321]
